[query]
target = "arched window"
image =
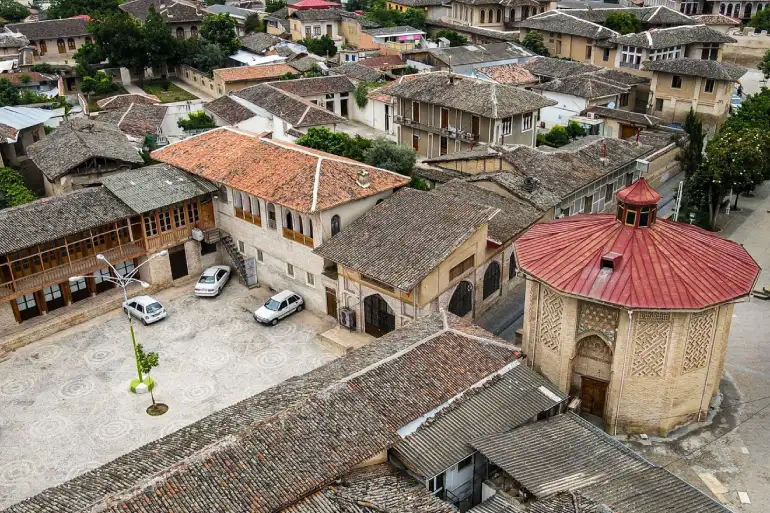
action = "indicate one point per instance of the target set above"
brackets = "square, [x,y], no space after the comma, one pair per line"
[61,45]
[180,33]
[461,302]
[299,225]
[335,225]
[193,31]
[721,8]
[512,268]
[729,10]
[499,16]
[71,43]
[482,16]
[491,279]
[747,11]
[271,221]
[289,221]
[309,228]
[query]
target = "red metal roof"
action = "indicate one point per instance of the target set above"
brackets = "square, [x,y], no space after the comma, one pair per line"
[639,193]
[666,266]
[313,4]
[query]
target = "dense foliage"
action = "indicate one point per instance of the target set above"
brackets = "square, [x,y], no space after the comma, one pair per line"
[387,154]
[454,38]
[220,29]
[533,42]
[623,22]
[100,83]
[253,24]
[13,192]
[274,5]
[385,17]
[761,20]
[691,146]
[575,130]
[764,65]
[556,137]
[13,11]
[45,67]
[323,46]
[12,95]
[93,8]
[198,120]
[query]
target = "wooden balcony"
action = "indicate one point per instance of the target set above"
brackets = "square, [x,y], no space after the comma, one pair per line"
[248,217]
[79,267]
[449,132]
[174,236]
[298,237]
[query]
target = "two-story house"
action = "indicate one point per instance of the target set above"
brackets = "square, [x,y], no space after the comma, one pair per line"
[495,15]
[183,18]
[465,60]
[440,113]
[278,201]
[55,40]
[20,127]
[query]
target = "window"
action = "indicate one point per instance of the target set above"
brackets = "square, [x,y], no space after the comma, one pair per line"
[125,268]
[308,32]
[620,212]
[78,285]
[499,17]
[526,121]
[26,301]
[164,217]
[290,270]
[482,17]
[709,86]
[347,57]
[507,126]
[608,189]
[192,211]
[491,279]
[588,202]
[709,52]
[589,50]
[150,228]
[658,104]
[71,43]
[193,31]
[416,111]
[289,221]
[52,292]
[241,246]
[605,54]
[629,179]
[415,142]
[61,46]
[101,275]
[271,221]
[310,279]
[630,57]
[624,100]
[467,462]
[335,225]
[317,31]
[459,269]
[35,136]
[512,268]
[670,53]
[180,33]
[179,220]
[436,484]
[630,217]
[676,82]
[260,256]
[644,216]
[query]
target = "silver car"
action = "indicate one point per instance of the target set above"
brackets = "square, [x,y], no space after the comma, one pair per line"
[212,281]
[278,307]
[145,308]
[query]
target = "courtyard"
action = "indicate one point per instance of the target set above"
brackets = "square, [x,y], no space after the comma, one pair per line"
[65,407]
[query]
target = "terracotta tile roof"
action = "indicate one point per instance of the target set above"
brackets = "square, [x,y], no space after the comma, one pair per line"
[380,95]
[296,177]
[120,101]
[15,78]
[228,110]
[511,74]
[665,266]
[264,71]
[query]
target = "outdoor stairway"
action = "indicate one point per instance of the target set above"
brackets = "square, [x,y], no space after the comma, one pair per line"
[235,256]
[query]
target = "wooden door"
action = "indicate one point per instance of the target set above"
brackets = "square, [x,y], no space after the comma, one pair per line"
[207,213]
[593,394]
[475,126]
[444,118]
[627,132]
[331,302]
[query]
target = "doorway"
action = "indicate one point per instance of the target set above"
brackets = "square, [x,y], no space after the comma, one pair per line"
[591,373]
[627,132]
[178,260]
[331,302]
[344,107]
[379,318]
[387,118]
[461,302]
[593,394]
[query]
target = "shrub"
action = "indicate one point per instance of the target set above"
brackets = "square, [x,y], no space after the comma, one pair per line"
[13,192]
[196,121]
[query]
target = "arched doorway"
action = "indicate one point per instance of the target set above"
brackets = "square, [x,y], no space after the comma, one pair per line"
[721,8]
[491,279]
[591,371]
[747,11]
[379,318]
[461,302]
[729,10]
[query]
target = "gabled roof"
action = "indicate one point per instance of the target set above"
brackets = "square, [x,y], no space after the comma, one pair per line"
[51,29]
[716,19]
[171,11]
[147,188]
[401,30]
[625,115]
[228,110]
[142,119]
[48,219]
[583,86]
[78,140]
[120,101]
[697,68]
[382,61]
[418,3]
[263,71]
[289,107]
[259,42]
[295,177]
[673,36]
[304,87]
[235,12]
[565,23]
[479,97]
[478,54]
[12,39]
[509,74]
[358,71]
[317,15]
[403,239]
[550,67]
[657,15]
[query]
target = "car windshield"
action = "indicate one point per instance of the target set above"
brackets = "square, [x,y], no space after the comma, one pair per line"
[273,305]
[154,307]
[207,279]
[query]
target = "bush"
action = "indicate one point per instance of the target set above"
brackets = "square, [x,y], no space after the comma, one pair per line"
[13,192]
[361,93]
[556,137]
[322,46]
[45,67]
[575,130]
[100,83]
[336,143]
[419,184]
[274,5]
[454,38]
[623,22]
[533,42]
[196,121]
[386,154]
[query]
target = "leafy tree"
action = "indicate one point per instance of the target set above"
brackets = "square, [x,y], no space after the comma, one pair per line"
[534,42]
[361,94]
[408,70]
[322,46]
[386,17]
[454,38]
[45,67]
[623,22]
[87,58]
[557,137]
[147,362]
[274,5]
[220,29]
[413,18]
[25,79]
[387,154]
[161,47]
[288,76]
[253,24]
[202,55]
[198,120]
[121,39]
[575,130]
[13,11]
[13,192]
[691,154]
[419,184]
[761,20]
[100,83]
[336,143]
[315,71]
[69,8]
[9,94]
[764,64]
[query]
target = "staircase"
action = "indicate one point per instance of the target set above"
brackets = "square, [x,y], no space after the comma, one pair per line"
[235,256]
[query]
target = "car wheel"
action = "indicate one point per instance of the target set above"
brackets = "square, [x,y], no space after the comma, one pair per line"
[144,322]
[218,291]
[274,322]
[125,310]
[300,307]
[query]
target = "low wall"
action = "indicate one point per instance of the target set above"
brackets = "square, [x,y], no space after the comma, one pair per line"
[748,51]
[196,79]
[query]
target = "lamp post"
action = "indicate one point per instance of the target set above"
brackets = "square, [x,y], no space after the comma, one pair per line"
[138,385]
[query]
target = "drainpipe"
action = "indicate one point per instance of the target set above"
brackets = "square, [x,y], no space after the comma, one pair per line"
[708,366]
[623,376]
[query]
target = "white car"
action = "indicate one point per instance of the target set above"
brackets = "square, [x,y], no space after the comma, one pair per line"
[212,281]
[278,307]
[145,308]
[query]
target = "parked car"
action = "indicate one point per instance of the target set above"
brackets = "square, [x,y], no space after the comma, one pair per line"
[212,280]
[735,104]
[145,308]
[278,307]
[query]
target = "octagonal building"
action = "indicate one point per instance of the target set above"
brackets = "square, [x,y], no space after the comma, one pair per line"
[631,313]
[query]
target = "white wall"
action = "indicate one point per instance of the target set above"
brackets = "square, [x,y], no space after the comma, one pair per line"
[373,115]
[560,114]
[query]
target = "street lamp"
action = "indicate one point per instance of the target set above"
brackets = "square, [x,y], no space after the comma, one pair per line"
[138,385]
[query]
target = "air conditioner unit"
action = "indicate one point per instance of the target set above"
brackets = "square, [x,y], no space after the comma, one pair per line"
[348,318]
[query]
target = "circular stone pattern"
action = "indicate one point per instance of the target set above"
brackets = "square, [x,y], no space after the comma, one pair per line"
[272,359]
[214,359]
[75,388]
[113,429]
[198,393]
[16,471]
[283,329]
[100,355]
[45,353]
[48,427]
[16,386]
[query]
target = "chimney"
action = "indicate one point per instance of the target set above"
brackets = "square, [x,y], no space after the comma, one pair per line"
[611,260]
[529,184]
[363,179]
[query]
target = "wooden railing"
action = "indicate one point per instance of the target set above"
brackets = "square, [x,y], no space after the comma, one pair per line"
[298,237]
[175,236]
[248,216]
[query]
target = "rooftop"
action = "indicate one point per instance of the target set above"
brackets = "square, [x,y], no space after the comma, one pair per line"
[625,115]
[295,177]
[697,68]
[316,14]
[584,86]
[12,39]
[479,97]
[477,54]
[259,42]
[235,12]
[48,219]
[715,19]
[304,87]
[358,71]
[564,22]
[147,188]
[666,265]
[382,61]
[289,107]
[171,11]
[142,119]
[120,101]
[264,71]
[491,34]
[51,29]
[35,77]
[418,3]
[78,140]
[14,119]
[551,67]
[401,30]
[656,15]
[403,239]
[497,504]
[673,36]
[509,74]
[228,110]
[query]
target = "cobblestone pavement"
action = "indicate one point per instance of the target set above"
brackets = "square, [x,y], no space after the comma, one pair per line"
[735,447]
[65,407]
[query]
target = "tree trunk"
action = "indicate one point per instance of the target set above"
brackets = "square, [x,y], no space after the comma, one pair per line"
[152,396]
[735,205]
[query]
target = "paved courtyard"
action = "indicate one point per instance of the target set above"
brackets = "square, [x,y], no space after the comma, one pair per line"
[65,407]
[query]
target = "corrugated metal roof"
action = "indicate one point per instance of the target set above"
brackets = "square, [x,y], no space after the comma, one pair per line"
[496,504]
[501,404]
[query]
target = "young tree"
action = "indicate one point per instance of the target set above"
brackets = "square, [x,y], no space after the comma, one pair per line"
[623,22]
[761,20]
[413,18]
[87,58]
[387,154]
[147,362]
[764,65]
[557,136]
[69,8]
[454,38]
[691,154]
[323,46]
[13,11]
[253,24]
[100,83]
[533,42]
[220,29]
[575,130]
[13,192]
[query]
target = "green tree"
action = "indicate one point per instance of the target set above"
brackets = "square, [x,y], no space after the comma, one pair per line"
[161,47]
[575,130]
[454,38]
[69,8]
[419,184]
[387,154]
[220,29]
[336,143]
[764,64]
[100,83]
[87,58]
[198,120]
[623,22]
[45,67]
[323,46]
[13,11]
[147,362]
[315,71]
[761,20]
[253,24]
[121,39]
[288,76]
[202,55]
[274,5]
[691,154]
[13,192]
[25,79]
[413,18]
[533,42]
[9,94]
[557,137]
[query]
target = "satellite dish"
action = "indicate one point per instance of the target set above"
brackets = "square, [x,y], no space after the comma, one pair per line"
[611,105]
